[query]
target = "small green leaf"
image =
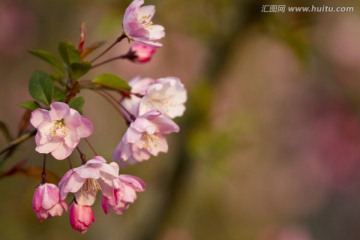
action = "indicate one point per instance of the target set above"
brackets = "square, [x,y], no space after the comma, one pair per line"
[77,104]
[5,131]
[49,58]
[59,95]
[79,69]
[111,81]
[69,53]
[30,105]
[41,87]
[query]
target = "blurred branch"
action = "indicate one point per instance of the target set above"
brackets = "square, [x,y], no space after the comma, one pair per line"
[13,144]
[248,12]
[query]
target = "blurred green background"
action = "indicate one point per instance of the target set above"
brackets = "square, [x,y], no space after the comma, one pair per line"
[270,142]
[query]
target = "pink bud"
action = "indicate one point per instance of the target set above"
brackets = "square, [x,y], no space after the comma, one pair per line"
[81,217]
[141,53]
[47,203]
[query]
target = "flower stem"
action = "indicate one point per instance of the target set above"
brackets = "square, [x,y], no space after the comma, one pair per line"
[72,91]
[119,39]
[113,102]
[91,147]
[43,174]
[18,141]
[109,60]
[82,155]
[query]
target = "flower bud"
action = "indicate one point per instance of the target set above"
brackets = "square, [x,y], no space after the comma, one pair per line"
[81,217]
[141,53]
[47,203]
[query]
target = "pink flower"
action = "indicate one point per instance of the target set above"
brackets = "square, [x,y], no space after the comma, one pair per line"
[144,138]
[81,217]
[47,202]
[124,195]
[59,129]
[138,26]
[140,85]
[138,90]
[166,95]
[87,179]
[140,52]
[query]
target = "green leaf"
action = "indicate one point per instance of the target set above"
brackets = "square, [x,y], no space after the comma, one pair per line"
[77,104]
[69,53]
[111,81]
[30,105]
[41,87]
[49,58]
[79,69]
[5,131]
[58,94]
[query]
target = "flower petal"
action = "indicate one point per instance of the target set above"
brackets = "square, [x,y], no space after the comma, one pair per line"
[38,116]
[59,110]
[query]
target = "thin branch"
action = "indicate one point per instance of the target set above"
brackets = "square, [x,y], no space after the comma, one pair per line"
[116,105]
[109,60]
[82,155]
[91,147]
[119,39]
[18,141]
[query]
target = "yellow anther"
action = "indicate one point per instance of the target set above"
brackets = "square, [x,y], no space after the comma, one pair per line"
[58,126]
[91,185]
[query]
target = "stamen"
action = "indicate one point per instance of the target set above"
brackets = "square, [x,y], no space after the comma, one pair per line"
[91,185]
[149,139]
[58,128]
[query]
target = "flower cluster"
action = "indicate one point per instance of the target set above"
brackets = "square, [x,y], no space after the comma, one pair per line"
[147,105]
[152,106]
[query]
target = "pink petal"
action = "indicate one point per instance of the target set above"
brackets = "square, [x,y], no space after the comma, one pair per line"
[139,85]
[165,125]
[115,166]
[138,184]
[146,12]
[105,205]
[51,196]
[62,152]
[131,135]
[38,116]
[141,124]
[57,210]
[38,196]
[86,128]
[71,182]
[85,197]
[48,146]
[156,32]
[88,172]
[99,159]
[59,110]
[71,140]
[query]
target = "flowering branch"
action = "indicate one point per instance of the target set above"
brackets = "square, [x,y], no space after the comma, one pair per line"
[56,112]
